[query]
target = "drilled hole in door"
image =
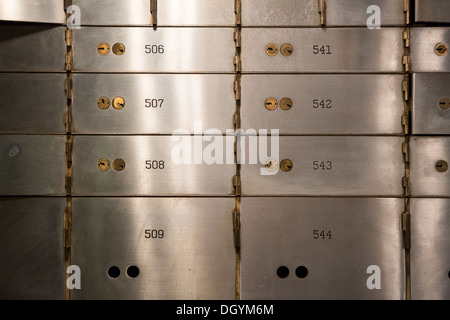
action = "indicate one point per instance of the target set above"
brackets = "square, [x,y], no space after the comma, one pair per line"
[301,272]
[132,271]
[283,272]
[114,272]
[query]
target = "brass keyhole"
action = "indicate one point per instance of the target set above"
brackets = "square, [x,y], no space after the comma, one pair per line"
[271,104]
[442,166]
[286,165]
[271,165]
[103,164]
[118,49]
[444,103]
[118,103]
[441,49]
[272,49]
[286,103]
[103,48]
[287,49]
[103,103]
[118,164]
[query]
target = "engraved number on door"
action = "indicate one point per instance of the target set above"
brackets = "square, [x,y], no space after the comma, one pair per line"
[154,103]
[322,234]
[154,164]
[154,49]
[322,165]
[325,49]
[154,234]
[322,104]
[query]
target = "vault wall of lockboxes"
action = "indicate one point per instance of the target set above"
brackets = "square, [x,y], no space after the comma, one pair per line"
[355,205]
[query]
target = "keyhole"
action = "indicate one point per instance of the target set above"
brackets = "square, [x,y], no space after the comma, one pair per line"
[441,49]
[118,164]
[444,103]
[271,165]
[442,166]
[118,103]
[103,48]
[272,49]
[271,104]
[286,165]
[286,104]
[287,49]
[103,164]
[118,49]
[103,103]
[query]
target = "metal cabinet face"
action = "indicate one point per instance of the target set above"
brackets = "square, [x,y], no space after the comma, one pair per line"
[32,103]
[306,12]
[432,11]
[430,258]
[429,49]
[323,104]
[150,165]
[176,50]
[429,166]
[181,248]
[46,11]
[32,165]
[337,50]
[32,48]
[32,250]
[321,248]
[431,103]
[154,104]
[334,166]
[169,12]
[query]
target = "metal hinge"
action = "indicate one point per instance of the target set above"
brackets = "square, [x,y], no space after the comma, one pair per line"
[322,11]
[237,63]
[406,9]
[237,185]
[237,87]
[237,38]
[405,88]
[406,114]
[68,224]
[406,62]
[68,87]
[237,12]
[405,151]
[407,37]
[69,57]
[406,228]
[237,228]
[154,12]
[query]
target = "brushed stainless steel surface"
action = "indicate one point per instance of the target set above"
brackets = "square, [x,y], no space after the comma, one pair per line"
[305,12]
[135,179]
[430,258]
[432,11]
[423,55]
[359,166]
[352,104]
[169,13]
[31,248]
[428,116]
[32,165]
[345,50]
[32,48]
[32,103]
[154,104]
[46,11]
[280,232]
[194,260]
[185,49]
[425,179]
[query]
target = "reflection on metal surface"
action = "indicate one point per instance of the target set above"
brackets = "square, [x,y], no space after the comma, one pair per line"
[32,48]
[310,248]
[170,12]
[429,48]
[432,11]
[155,104]
[430,258]
[430,112]
[428,174]
[46,11]
[150,169]
[183,248]
[31,255]
[32,165]
[342,50]
[32,103]
[324,104]
[306,12]
[338,166]
[163,50]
